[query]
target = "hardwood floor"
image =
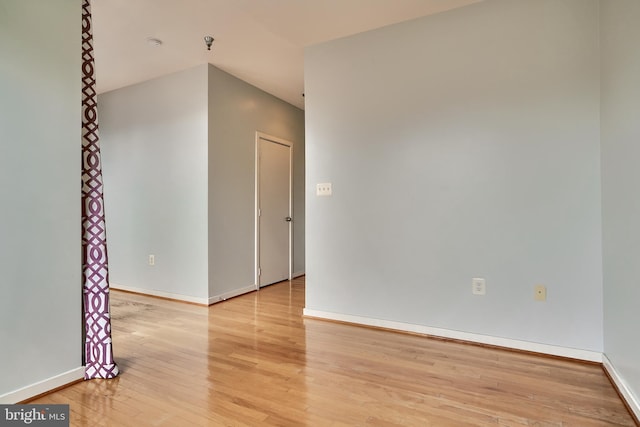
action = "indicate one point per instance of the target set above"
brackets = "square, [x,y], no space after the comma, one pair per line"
[253,360]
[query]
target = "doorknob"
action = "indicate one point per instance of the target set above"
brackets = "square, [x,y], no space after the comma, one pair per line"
[288,219]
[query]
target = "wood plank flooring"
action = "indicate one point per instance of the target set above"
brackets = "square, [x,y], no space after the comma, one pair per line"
[254,361]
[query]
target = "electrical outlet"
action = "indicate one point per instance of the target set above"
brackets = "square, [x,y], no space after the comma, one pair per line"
[478,286]
[152,260]
[323,189]
[540,293]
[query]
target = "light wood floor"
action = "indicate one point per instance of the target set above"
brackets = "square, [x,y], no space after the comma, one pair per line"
[254,361]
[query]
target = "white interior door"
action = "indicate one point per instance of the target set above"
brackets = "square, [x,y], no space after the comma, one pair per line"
[273,211]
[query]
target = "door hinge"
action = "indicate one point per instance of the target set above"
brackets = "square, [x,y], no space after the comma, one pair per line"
[259,271]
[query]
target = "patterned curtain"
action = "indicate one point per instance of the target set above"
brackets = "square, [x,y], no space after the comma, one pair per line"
[98,352]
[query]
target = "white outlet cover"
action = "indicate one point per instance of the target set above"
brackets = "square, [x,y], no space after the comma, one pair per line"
[478,286]
[323,189]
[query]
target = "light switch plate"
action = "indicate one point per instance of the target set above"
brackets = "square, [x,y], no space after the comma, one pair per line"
[323,189]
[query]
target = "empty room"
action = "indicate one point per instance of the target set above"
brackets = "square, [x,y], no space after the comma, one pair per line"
[394,212]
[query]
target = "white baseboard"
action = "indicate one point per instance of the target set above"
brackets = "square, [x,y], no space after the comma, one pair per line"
[297,274]
[217,298]
[187,298]
[591,356]
[156,293]
[43,386]
[629,397]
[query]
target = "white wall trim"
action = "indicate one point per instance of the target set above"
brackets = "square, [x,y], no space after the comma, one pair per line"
[573,353]
[156,293]
[43,386]
[217,298]
[627,395]
[297,274]
[187,298]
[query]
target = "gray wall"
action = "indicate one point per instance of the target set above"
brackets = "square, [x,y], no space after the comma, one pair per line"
[236,111]
[620,177]
[154,151]
[460,145]
[178,154]
[40,306]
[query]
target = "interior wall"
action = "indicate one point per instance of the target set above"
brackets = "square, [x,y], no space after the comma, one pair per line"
[178,155]
[620,178]
[154,151]
[40,253]
[460,145]
[236,111]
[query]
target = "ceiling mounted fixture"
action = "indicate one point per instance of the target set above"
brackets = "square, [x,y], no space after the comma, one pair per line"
[151,41]
[209,41]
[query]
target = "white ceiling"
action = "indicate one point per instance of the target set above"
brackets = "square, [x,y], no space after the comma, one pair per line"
[259,41]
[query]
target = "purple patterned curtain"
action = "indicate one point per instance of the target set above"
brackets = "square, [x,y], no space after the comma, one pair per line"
[98,352]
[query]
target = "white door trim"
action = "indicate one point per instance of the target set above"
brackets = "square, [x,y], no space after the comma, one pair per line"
[267,137]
